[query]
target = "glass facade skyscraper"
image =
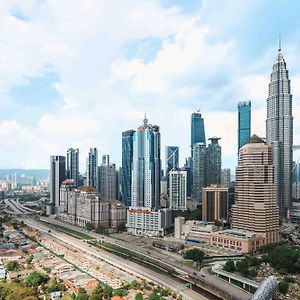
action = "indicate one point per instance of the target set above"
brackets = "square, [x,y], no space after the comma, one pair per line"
[146,167]
[57,176]
[172,159]
[199,171]
[73,165]
[279,128]
[214,162]
[244,123]
[127,156]
[91,167]
[197,130]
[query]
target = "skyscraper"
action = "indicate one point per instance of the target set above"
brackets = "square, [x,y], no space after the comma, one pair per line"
[199,171]
[144,215]
[172,161]
[244,123]
[214,162]
[127,156]
[107,180]
[146,167]
[57,176]
[178,183]
[279,129]
[91,167]
[255,208]
[197,130]
[226,177]
[73,165]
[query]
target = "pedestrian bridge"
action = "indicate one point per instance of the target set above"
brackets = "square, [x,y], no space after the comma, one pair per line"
[245,283]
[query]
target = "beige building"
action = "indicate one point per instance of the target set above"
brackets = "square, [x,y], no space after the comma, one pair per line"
[237,240]
[214,203]
[193,230]
[255,208]
[82,205]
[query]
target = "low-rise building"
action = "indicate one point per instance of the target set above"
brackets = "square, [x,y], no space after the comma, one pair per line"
[237,240]
[193,230]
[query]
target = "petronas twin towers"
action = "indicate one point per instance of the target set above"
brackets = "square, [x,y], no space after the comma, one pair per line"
[279,131]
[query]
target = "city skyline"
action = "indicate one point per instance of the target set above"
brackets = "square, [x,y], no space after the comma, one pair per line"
[46,104]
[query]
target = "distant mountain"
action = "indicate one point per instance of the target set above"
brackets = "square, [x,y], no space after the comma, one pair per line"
[25,174]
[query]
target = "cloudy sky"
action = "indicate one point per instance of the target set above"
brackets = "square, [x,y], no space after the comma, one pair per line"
[76,73]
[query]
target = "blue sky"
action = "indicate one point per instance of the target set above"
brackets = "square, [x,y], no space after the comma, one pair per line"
[78,73]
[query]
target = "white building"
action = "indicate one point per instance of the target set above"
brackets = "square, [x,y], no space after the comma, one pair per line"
[178,190]
[193,230]
[142,221]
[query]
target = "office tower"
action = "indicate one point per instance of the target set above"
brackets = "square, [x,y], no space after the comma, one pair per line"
[255,207]
[107,180]
[91,167]
[188,168]
[146,167]
[214,203]
[73,165]
[279,128]
[57,176]
[214,161]
[172,161]
[197,130]
[127,156]
[226,177]
[177,191]
[244,123]
[199,171]
[144,215]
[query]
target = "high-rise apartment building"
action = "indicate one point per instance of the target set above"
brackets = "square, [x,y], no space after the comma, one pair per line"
[73,165]
[144,215]
[214,162]
[199,171]
[107,180]
[244,123]
[255,207]
[127,157]
[57,176]
[214,203]
[91,167]
[279,129]
[226,177]
[177,191]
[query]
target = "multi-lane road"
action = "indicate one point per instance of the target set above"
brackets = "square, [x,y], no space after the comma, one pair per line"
[116,261]
[215,282]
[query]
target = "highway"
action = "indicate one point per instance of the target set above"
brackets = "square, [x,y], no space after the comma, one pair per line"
[116,261]
[233,291]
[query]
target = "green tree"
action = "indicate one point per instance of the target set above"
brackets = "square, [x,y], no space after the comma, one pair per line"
[194,254]
[242,265]
[82,294]
[97,293]
[107,293]
[12,266]
[120,292]
[229,266]
[35,279]
[89,226]
[135,285]
[139,296]
[254,261]
[283,287]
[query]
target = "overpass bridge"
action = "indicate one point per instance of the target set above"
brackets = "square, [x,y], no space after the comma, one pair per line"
[14,207]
